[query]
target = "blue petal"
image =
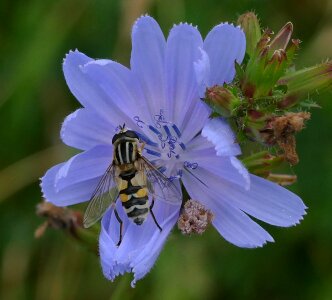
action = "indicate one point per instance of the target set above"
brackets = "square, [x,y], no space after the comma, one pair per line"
[264,200]
[75,180]
[106,94]
[237,228]
[219,170]
[148,61]
[219,133]
[269,202]
[202,70]
[121,91]
[140,246]
[84,166]
[233,224]
[73,194]
[183,49]
[260,198]
[224,44]
[84,129]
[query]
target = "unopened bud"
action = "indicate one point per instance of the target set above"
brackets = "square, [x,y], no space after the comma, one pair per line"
[262,76]
[265,39]
[221,100]
[292,49]
[262,163]
[194,218]
[250,25]
[301,83]
[268,63]
[282,179]
[281,40]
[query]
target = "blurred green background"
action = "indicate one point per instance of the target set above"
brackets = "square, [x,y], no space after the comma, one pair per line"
[34,99]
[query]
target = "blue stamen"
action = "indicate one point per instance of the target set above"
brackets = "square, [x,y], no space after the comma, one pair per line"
[162,169]
[155,153]
[168,132]
[146,140]
[154,129]
[177,130]
[182,146]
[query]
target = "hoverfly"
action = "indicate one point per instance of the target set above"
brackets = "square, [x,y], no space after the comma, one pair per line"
[130,177]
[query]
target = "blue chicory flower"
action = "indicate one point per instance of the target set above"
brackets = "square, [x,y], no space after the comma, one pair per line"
[159,98]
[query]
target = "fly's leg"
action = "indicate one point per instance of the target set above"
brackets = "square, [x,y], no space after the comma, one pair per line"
[153,216]
[121,226]
[140,150]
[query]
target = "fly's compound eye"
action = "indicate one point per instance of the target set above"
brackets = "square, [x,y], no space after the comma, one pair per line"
[131,134]
[115,137]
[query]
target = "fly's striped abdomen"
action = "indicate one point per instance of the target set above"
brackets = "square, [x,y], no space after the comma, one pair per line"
[134,195]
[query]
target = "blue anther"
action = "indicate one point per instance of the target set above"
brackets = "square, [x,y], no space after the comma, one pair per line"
[155,153]
[182,146]
[177,130]
[168,132]
[162,169]
[154,129]
[146,140]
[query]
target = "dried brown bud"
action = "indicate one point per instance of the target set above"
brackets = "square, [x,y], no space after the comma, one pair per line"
[194,218]
[284,129]
[57,217]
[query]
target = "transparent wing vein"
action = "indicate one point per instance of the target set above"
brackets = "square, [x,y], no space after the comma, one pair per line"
[159,185]
[103,196]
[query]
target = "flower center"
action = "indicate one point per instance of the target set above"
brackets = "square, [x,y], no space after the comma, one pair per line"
[163,143]
[162,138]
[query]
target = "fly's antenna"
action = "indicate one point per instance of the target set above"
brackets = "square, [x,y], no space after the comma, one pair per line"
[122,127]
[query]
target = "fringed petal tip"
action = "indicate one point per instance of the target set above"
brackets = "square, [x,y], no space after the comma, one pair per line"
[140,246]
[230,26]
[98,62]
[74,55]
[142,19]
[260,244]
[185,24]
[187,28]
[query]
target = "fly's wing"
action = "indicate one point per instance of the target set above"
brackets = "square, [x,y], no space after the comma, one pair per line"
[167,190]
[104,195]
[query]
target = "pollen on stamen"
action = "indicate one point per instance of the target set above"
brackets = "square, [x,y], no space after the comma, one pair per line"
[194,218]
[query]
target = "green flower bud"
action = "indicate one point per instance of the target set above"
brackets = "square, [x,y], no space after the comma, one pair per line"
[221,100]
[282,179]
[250,25]
[262,163]
[268,62]
[301,83]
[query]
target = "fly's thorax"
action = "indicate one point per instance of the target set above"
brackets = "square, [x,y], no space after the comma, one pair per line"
[125,150]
